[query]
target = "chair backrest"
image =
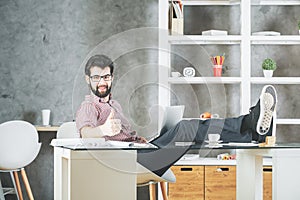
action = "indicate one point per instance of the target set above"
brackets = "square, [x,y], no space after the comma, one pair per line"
[67,130]
[19,144]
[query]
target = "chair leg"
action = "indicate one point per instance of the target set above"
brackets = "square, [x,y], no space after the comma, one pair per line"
[152,191]
[1,192]
[16,181]
[26,182]
[163,190]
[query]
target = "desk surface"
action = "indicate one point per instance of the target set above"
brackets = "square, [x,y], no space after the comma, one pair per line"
[241,146]
[46,128]
[83,144]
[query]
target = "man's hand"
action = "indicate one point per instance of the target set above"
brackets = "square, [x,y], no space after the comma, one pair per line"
[112,126]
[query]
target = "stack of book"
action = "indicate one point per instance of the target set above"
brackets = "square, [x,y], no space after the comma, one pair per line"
[176,17]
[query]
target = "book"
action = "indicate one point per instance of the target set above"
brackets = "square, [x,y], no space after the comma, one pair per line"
[175,18]
[214,32]
[266,33]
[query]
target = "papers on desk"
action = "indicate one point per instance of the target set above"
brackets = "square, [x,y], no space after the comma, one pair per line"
[241,144]
[78,142]
[96,143]
[232,144]
[130,144]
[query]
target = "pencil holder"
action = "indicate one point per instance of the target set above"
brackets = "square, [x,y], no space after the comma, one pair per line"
[217,70]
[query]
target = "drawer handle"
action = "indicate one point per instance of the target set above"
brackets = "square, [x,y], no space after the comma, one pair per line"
[222,169]
[186,169]
[267,169]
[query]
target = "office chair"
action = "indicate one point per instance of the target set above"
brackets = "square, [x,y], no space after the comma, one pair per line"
[67,130]
[144,176]
[19,146]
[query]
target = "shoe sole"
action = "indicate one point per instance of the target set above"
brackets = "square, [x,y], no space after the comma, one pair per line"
[268,101]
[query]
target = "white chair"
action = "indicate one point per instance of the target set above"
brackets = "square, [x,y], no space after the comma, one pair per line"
[67,130]
[19,146]
[144,176]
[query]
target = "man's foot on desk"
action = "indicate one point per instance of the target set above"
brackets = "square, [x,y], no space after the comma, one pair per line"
[267,107]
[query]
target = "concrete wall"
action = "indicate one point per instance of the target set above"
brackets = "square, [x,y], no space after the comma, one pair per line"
[44,44]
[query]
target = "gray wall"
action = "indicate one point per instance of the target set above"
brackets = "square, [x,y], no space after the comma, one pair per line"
[43,45]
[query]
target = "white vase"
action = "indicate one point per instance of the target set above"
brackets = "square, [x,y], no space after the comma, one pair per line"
[268,73]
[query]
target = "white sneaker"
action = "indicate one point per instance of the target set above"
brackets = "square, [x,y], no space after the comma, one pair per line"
[268,101]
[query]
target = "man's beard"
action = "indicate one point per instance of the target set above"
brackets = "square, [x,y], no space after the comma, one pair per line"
[101,95]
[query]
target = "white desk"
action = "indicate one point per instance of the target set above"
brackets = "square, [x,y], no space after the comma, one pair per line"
[94,174]
[285,176]
[249,177]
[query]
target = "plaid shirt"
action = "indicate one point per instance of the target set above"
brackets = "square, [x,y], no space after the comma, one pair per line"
[93,112]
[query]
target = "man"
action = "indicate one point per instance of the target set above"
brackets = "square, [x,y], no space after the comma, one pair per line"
[101,116]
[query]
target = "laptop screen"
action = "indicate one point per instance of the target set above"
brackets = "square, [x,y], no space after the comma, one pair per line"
[172,115]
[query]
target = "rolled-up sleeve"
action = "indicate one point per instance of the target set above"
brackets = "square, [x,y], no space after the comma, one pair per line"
[86,115]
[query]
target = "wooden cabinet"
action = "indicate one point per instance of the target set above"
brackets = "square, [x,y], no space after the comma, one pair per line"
[189,183]
[220,182]
[211,183]
[267,182]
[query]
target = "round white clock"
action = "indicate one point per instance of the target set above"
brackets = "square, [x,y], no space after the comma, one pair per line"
[189,72]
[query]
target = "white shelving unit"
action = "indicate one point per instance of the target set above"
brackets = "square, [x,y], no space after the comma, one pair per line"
[245,40]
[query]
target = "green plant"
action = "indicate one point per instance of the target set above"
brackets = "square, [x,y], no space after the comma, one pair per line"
[269,64]
[299,24]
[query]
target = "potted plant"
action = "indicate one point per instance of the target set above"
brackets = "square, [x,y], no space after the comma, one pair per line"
[268,66]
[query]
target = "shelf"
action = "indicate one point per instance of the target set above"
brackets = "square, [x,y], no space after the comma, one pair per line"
[199,39]
[283,39]
[233,39]
[288,121]
[275,80]
[276,2]
[205,80]
[210,2]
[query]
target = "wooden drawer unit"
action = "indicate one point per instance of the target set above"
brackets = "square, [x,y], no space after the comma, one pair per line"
[267,182]
[220,182]
[189,183]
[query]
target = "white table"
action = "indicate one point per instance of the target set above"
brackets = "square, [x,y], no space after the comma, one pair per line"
[94,174]
[286,174]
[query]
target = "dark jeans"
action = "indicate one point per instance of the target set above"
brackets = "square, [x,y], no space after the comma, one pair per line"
[231,130]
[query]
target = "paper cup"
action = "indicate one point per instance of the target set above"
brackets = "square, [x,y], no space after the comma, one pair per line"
[46,116]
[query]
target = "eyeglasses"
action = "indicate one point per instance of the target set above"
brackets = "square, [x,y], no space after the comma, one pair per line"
[97,78]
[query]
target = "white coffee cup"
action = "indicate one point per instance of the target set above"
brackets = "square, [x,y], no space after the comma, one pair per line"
[213,137]
[46,117]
